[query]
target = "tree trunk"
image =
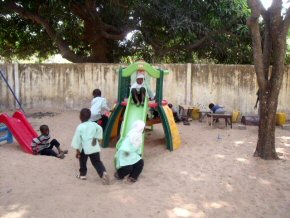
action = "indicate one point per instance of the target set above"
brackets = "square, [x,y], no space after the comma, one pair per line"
[100,51]
[266,137]
[272,52]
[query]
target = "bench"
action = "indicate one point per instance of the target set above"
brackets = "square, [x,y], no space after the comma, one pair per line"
[228,118]
[185,111]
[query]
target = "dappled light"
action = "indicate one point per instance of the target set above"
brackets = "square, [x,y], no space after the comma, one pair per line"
[264,181]
[238,143]
[184,173]
[15,211]
[181,212]
[229,187]
[220,156]
[183,209]
[285,140]
[185,212]
[216,204]
[242,160]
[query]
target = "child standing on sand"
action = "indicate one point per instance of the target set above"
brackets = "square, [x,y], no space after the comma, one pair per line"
[86,142]
[42,145]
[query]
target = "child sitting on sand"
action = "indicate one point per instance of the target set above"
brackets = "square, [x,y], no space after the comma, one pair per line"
[42,146]
[86,142]
[139,89]
[128,157]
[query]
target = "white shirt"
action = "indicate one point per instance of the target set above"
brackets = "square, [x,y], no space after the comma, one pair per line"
[98,108]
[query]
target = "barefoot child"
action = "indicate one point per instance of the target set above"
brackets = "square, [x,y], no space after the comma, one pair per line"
[42,146]
[128,157]
[86,142]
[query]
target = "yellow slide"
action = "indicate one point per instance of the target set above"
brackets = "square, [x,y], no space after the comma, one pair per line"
[176,140]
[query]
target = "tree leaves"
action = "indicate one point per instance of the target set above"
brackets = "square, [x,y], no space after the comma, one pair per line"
[165,30]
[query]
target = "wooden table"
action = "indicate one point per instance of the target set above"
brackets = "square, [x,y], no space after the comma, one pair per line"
[203,113]
[227,117]
[185,112]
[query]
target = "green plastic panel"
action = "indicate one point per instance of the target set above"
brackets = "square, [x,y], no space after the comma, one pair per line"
[132,68]
[132,114]
[110,125]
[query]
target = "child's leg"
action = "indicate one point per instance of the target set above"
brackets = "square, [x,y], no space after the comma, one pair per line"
[135,96]
[97,163]
[124,171]
[142,95]
[48,152]
[137,169]
[83,164]
[104,121]
[55,143]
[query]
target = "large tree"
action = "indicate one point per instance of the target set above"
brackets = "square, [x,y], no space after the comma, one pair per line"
[94,30]
[82,31]
[269,50]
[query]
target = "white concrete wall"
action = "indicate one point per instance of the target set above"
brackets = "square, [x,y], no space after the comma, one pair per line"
[70,85]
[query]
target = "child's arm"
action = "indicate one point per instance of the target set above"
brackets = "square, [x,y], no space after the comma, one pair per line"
[35,142]
[77,143]
[78,154]
[99,136]
[99,133]
[104,105]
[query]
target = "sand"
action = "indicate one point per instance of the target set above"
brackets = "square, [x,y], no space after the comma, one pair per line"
[206,177]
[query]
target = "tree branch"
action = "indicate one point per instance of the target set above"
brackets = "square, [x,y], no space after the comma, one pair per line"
[286,22]
[120,36]
[267,45]
[253,24]
[61,44]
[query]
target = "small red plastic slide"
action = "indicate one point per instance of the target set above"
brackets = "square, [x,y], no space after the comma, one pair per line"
[20,128]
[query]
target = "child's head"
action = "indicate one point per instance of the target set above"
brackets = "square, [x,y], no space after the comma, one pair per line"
[97,93]
[211,105]
[135,134]
[44,129]
[170,105]
[140,77]
[85,114]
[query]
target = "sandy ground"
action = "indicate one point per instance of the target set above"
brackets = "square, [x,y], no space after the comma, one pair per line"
[206,177]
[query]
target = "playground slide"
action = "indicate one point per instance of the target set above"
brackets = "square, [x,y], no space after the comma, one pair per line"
[21,129]
[133,113]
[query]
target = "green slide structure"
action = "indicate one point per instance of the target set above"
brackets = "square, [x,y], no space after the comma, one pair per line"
[133,113]
[126,112]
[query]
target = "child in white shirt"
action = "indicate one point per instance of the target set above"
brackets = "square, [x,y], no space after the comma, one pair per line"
[98,109]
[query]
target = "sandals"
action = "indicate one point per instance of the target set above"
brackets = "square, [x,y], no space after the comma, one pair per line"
[105,179]
[131,180]
[117,176]
[81,177]
[61,155]
[64,151]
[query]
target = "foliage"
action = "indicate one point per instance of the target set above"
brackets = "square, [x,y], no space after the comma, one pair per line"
[178,31]
[94,31]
